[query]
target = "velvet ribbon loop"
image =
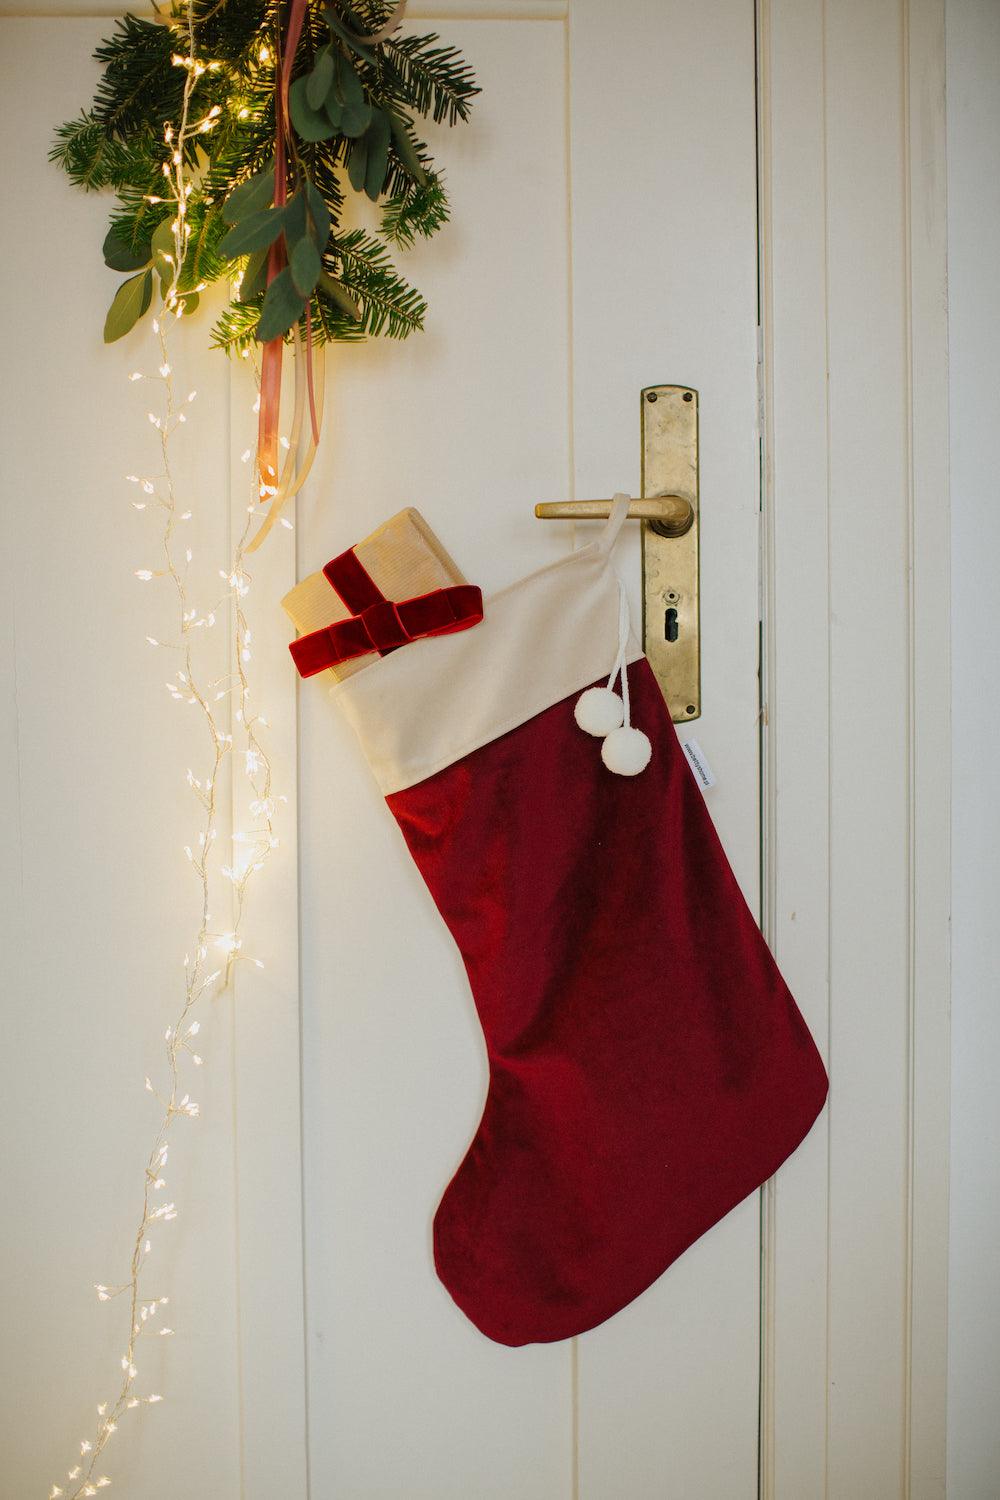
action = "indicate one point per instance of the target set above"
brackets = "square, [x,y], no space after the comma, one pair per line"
[384,626]
[350,579]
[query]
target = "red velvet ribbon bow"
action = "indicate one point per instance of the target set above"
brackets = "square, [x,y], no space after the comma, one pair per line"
[380,624]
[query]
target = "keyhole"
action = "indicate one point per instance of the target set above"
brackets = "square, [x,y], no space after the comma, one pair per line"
[670,624]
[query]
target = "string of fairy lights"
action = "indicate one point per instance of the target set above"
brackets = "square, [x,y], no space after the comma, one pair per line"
[223,706]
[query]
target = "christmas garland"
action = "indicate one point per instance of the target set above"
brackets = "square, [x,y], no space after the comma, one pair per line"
[353,103]
[301,103]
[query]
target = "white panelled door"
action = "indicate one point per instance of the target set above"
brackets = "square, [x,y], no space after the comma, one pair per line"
[604,238]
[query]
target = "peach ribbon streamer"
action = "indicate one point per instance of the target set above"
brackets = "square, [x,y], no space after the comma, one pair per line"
[294,473]
[372,37]
[280,489]
[270,371]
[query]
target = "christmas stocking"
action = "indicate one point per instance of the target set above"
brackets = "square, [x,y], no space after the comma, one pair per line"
[648,1066]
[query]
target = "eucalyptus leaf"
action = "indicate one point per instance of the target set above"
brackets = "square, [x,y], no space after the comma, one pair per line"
[352,87]
[305,266]
[378,153]
[320,79]
[254,232]
[188,301]
[120,256]
[405,149]
[357,167]
[311,124]
[164,249]
[162,241]
[339,296]
[319,214]
[283,306]
[356,119]
[296,220]
[355,116]
[333,110]
[255,275]
[251,196]
[130,302]
[338,92]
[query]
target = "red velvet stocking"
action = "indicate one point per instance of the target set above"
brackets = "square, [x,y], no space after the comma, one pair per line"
[648,1066]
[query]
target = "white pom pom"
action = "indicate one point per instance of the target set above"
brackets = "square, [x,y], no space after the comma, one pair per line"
[626,751]
[599,710]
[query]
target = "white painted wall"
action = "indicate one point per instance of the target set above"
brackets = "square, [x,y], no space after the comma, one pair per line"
[973,57]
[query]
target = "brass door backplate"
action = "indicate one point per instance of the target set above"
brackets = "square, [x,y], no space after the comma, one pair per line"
[670,611]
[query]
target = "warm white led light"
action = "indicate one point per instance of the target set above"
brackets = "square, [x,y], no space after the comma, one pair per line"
[223,705]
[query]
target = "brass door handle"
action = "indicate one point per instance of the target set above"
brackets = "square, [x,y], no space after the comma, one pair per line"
[668,515]
[669,512]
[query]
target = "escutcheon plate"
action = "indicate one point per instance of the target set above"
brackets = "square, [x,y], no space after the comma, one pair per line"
[670,609]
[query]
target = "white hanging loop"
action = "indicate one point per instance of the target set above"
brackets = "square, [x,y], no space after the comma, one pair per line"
[616,519]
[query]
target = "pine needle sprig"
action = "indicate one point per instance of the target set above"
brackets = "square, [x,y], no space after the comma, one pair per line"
[414,211]
[389,304]
[139,89]
[93,159]
[437,80]
[230,30]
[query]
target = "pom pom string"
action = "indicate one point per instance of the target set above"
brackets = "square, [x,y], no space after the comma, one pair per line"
[620,668]
[602,712]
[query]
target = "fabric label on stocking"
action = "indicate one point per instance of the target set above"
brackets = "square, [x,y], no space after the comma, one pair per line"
[648,1066]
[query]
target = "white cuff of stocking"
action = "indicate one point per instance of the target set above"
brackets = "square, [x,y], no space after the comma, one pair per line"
[432,702]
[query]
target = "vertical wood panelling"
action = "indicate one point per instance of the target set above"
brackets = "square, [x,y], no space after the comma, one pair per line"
[99,806]
[930,754]
[973,63]
[467,422]
[267,1118]
[797,684]
[854,297]
[665,289]
[870,851]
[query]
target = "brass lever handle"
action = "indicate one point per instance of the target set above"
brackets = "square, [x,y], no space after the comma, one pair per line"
[669,515]
[669,509]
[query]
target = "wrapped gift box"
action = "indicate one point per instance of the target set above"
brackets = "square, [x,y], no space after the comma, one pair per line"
[403,558]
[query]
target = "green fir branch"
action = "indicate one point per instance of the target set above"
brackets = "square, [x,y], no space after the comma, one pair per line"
[416,211]
[388,303]
[436,80]
[93,160]
[140,84]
